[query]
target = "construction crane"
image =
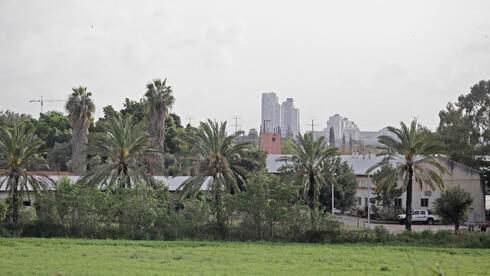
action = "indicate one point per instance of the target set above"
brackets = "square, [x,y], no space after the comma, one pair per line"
[42,101]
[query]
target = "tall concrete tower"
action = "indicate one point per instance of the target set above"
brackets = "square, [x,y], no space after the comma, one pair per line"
[289,119]
[271,114]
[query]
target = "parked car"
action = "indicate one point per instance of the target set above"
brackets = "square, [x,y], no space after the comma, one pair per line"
[424,216]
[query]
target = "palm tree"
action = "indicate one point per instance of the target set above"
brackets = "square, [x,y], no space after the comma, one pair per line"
[309,165]
[80,108]
[159,99]
[20,149]
[215,155]
[413,153]
[120,153]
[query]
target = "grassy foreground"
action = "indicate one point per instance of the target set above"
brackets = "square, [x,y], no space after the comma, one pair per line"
[35,256]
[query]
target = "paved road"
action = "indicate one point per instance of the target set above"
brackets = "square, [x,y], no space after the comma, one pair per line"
[393,228]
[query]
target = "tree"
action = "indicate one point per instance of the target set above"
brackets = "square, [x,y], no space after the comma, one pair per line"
[119,154]
[414,153]
[476,106]
[9,118]
[350,143]
[453,206]
[307,166]
[464,128]
[345,187]
[80,108]
[159,99]
[331,137]
[215,155]
[265,202]
[19,149]
[385,196]
[52,128]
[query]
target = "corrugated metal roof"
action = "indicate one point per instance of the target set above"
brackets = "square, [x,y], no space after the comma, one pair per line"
[171,182]
[358,163]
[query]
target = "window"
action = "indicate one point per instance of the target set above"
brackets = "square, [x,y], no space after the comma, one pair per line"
[424,202]
[26,202]
[359,201]
[273,139]
[415,212]
[366,201]
[423,213]
[398,202]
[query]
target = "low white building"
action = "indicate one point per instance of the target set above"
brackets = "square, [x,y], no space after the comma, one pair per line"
[457,174]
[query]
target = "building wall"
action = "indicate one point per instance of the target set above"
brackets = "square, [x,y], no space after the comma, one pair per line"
[271,112]
[468,179]
[289,119]
[270,143]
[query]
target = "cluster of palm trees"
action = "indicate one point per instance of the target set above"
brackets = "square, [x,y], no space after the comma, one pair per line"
[128,152]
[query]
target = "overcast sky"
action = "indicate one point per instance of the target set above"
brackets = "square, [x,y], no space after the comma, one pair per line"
[376,62]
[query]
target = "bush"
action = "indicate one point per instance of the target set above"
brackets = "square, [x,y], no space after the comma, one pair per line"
[3,210]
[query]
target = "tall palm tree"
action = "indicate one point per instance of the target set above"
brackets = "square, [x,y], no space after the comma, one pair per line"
[308,165]
[413,153]
[120,153]
[159,100]
[80,108]
[215,155]
[20,149]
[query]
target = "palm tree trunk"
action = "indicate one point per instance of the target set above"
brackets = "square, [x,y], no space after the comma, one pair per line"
[408,209]
[79,142]
[156,128]
[220,218]
[312,198]
[15,203]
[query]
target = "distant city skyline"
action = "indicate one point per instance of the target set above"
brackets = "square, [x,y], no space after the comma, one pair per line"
[377,64]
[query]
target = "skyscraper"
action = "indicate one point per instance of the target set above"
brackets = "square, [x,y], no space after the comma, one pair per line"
[289,119]
[271,114]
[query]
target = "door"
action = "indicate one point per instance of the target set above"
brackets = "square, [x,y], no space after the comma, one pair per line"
[416,215]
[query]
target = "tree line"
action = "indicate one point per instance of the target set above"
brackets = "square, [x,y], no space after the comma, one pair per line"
[125,149]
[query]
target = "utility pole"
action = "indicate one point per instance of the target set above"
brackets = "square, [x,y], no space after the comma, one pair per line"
[312,126]
[42,101]
[333,214]
[236,125]
[369,202]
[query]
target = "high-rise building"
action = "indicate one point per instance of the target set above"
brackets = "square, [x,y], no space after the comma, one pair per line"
[271,114]
[289,119]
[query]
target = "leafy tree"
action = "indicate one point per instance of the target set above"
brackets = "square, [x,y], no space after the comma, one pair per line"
[159,99]
[331,137]
[464,128]
[9,118]
[308,167]
[80,108]
[414,152]
[384,196]
[453,205]
[215,155]
[52,128]
[345,187]
[119,154]
[287,146]
[135,109]
[350,143]
[59,157]
[19,149]
[265,202]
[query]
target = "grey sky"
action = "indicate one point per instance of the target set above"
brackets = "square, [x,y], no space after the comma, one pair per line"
[376,62]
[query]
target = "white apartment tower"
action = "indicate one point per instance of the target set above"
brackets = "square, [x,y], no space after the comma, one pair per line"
[271,114]
[289,119]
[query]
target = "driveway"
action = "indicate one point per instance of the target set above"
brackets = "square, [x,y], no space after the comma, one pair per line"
[393,228]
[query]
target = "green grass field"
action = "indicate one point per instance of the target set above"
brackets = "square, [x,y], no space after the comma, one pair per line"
[32,256]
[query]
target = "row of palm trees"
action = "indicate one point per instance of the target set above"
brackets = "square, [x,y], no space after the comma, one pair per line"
[80,107]
[121,155]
